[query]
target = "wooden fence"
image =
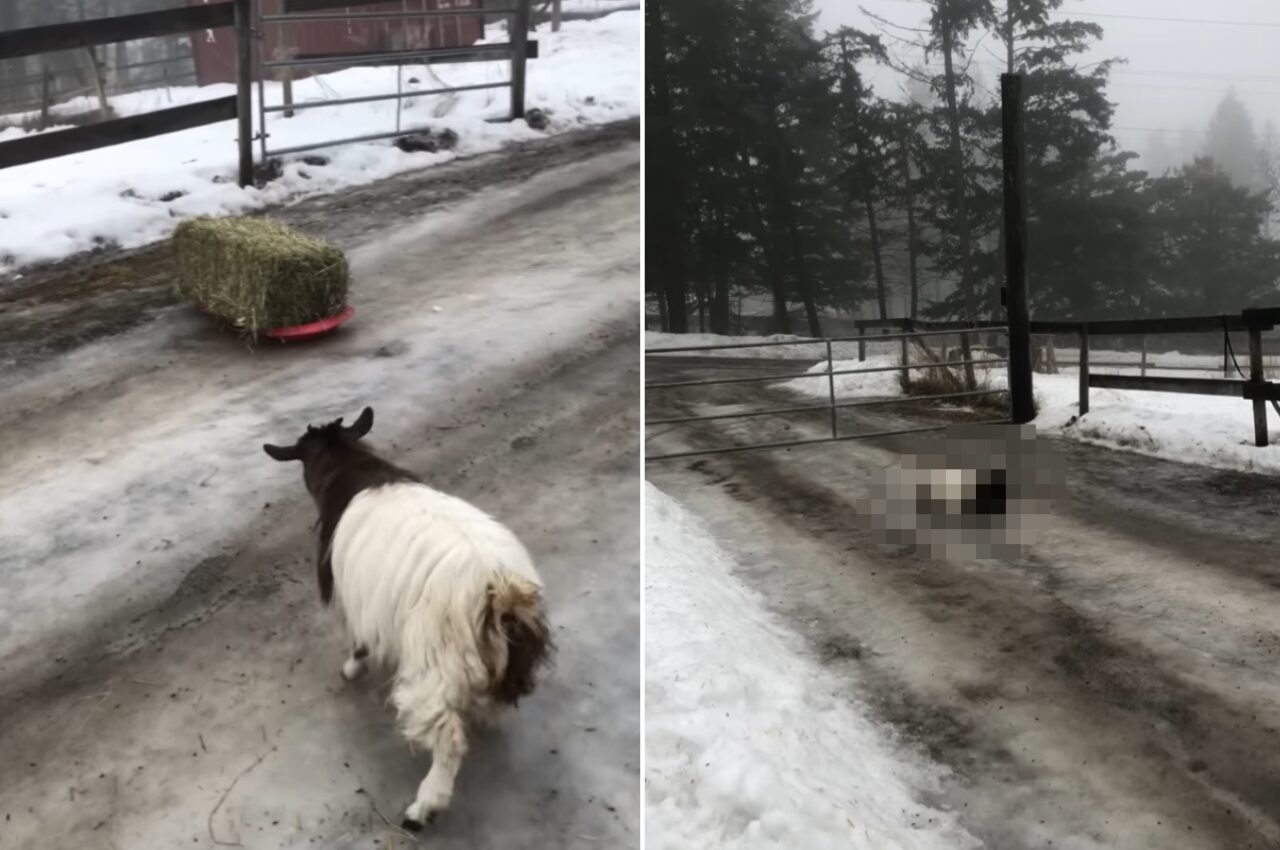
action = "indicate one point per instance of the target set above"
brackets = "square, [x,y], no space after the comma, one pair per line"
[89,34]
[1254,388]
[92,33]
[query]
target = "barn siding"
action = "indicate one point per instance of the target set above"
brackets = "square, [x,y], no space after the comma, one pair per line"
[215,49]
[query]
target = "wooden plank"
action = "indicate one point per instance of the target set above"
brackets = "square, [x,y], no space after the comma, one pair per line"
[78,34]
[114,132]
[1265,391]
[1191,324]
[1135,327]
[1192,386]
[1263,319]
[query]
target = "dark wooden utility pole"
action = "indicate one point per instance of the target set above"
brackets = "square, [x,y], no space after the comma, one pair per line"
[244,90]
[1015,226]
[1257,374]
[519,38]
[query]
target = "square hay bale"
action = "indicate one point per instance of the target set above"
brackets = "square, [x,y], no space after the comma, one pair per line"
[258,274]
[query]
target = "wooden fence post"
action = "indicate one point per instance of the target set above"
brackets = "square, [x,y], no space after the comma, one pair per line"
[1084,368]
[1021,395]
[1226,350]
[831,387]
[906,373]
[862,343]
[244,94]
[1257,376]
[518,35]
[1144,355]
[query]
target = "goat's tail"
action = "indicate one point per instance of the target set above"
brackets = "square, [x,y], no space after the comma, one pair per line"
[519,637]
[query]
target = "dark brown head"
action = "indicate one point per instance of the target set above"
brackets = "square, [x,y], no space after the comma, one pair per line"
[336,468]
[318,446]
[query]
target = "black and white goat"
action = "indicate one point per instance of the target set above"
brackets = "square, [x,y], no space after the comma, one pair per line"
[430,587]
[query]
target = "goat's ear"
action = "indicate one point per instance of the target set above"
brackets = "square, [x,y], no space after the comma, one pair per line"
[282,452]
[362,425]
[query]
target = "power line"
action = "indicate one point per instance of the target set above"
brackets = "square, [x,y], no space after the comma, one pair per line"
[1131,72]
[1183,132]
[1216,91]
[1210,21]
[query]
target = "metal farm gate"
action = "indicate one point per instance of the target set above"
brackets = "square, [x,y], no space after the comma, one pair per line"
[833,404]
[418,38]
[236,26]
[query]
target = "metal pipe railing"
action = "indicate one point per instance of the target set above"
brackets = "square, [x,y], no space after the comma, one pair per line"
[813,408]
[354,59]
[376,16]
[374,98]
[823,374]
[792,443]
[864,338]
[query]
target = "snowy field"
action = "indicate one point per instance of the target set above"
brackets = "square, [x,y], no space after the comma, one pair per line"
[588,73]
[750,743]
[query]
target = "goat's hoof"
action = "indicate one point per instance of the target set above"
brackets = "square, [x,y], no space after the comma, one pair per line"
[353,669]
[418,814]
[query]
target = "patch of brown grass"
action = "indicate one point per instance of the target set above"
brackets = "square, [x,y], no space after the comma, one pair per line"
[945,380]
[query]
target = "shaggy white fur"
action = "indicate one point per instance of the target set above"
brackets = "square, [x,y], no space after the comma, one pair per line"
[419,576]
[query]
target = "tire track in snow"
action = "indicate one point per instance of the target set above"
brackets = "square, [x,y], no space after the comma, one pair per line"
[1073,719]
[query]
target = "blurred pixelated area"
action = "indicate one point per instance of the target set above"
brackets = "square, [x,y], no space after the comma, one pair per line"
[975,491]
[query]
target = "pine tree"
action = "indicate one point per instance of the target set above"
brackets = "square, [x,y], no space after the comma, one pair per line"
[1231,142]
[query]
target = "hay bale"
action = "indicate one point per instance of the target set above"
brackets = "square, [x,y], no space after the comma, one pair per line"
[258,274]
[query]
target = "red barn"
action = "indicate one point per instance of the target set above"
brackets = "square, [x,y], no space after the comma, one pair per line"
[215,50]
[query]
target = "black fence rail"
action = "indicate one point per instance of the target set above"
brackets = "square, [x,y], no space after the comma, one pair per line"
[90,34]
[1253,387]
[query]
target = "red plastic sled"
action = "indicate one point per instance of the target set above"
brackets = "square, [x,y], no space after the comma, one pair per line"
[311,329]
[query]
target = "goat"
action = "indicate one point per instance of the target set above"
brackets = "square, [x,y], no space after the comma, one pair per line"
[428,586]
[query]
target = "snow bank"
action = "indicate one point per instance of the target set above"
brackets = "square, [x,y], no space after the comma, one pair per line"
[589,73]
[1213,431]
[750,743]
[861,385]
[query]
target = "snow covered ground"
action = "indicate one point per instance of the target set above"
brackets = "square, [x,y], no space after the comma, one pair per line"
[213,410]
[750,743]
[1210,430]
[588,73]
[861,385]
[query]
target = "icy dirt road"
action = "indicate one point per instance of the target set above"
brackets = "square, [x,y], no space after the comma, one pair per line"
[1117,686]
[168,678]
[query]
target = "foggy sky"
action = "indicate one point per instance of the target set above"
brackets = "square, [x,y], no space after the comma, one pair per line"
[1161,86]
